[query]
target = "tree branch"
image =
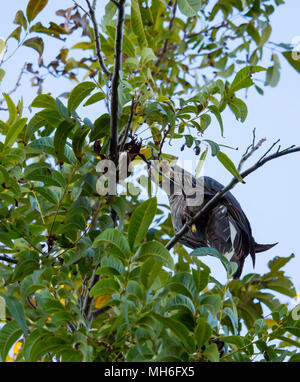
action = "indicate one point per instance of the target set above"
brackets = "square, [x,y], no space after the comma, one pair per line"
[17,84]
[97,39]
[8,259]
[98,312]
[166,43]
[248,153]
[126,128]
[166,132]
[114,104]
[218,196]
[87,299]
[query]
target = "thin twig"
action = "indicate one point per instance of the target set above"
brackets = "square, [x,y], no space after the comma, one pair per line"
[128,125]
[166,132]
[166,43]
[267,152]
[18,83]
[248,153]
[97,38]
[218,196]
[79,6]
[87,299]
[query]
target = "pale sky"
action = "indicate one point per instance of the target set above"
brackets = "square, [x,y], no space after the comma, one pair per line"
[270,197]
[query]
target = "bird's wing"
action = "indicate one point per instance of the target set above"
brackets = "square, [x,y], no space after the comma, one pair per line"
[243,242]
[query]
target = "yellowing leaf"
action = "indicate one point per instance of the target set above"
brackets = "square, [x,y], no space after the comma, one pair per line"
[17,347]
[270,322]
[34,7]
[101,300]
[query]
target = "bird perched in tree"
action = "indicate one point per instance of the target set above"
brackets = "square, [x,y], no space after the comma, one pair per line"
[225,227]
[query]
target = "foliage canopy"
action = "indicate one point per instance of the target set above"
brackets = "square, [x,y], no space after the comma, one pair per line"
[86,277]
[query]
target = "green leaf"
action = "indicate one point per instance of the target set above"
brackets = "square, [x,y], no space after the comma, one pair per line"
[12,109]
[282,285]
[203,332]
[227,72]
[44,101]
[31,283]
[210,302]
[140,221]
[78,141]
[115,238]
[2,45]
[105,286]
[243,77]
[278,262]
[253,33]
[9,334]
[34,7]
[20,19]
[215,148]
[155,250]
[204,251]
[295,358]
[293,58]
[2,74]
[211,353]
[101,128]
[147,56]
[35,43]
[205,120]
[286,341]
[233,340]
[46,145]
[60,139]
[229,165]
[14,131]
[273,76]
[179,329]
[45,175]
[137,24]
[189,7]
[128,46]
[234,320]
[78,94]
[94,98]
[48,118]
[266,32]
[239,108]
[149,271]
[48,194]
[111,265]
[54,30]
[183,283]
[180,302]
[217,114]
[17,311]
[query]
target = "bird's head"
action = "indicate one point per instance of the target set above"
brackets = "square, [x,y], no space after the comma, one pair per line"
[175,181]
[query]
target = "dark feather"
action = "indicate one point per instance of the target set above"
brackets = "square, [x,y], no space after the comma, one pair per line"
[221,223]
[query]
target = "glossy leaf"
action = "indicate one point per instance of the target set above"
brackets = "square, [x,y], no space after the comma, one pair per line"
[140,221]
[34,7]
[79,93]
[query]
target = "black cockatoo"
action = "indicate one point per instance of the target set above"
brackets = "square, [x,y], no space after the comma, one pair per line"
[225,227]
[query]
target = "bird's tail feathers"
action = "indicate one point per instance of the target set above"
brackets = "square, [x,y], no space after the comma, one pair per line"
[263,247]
